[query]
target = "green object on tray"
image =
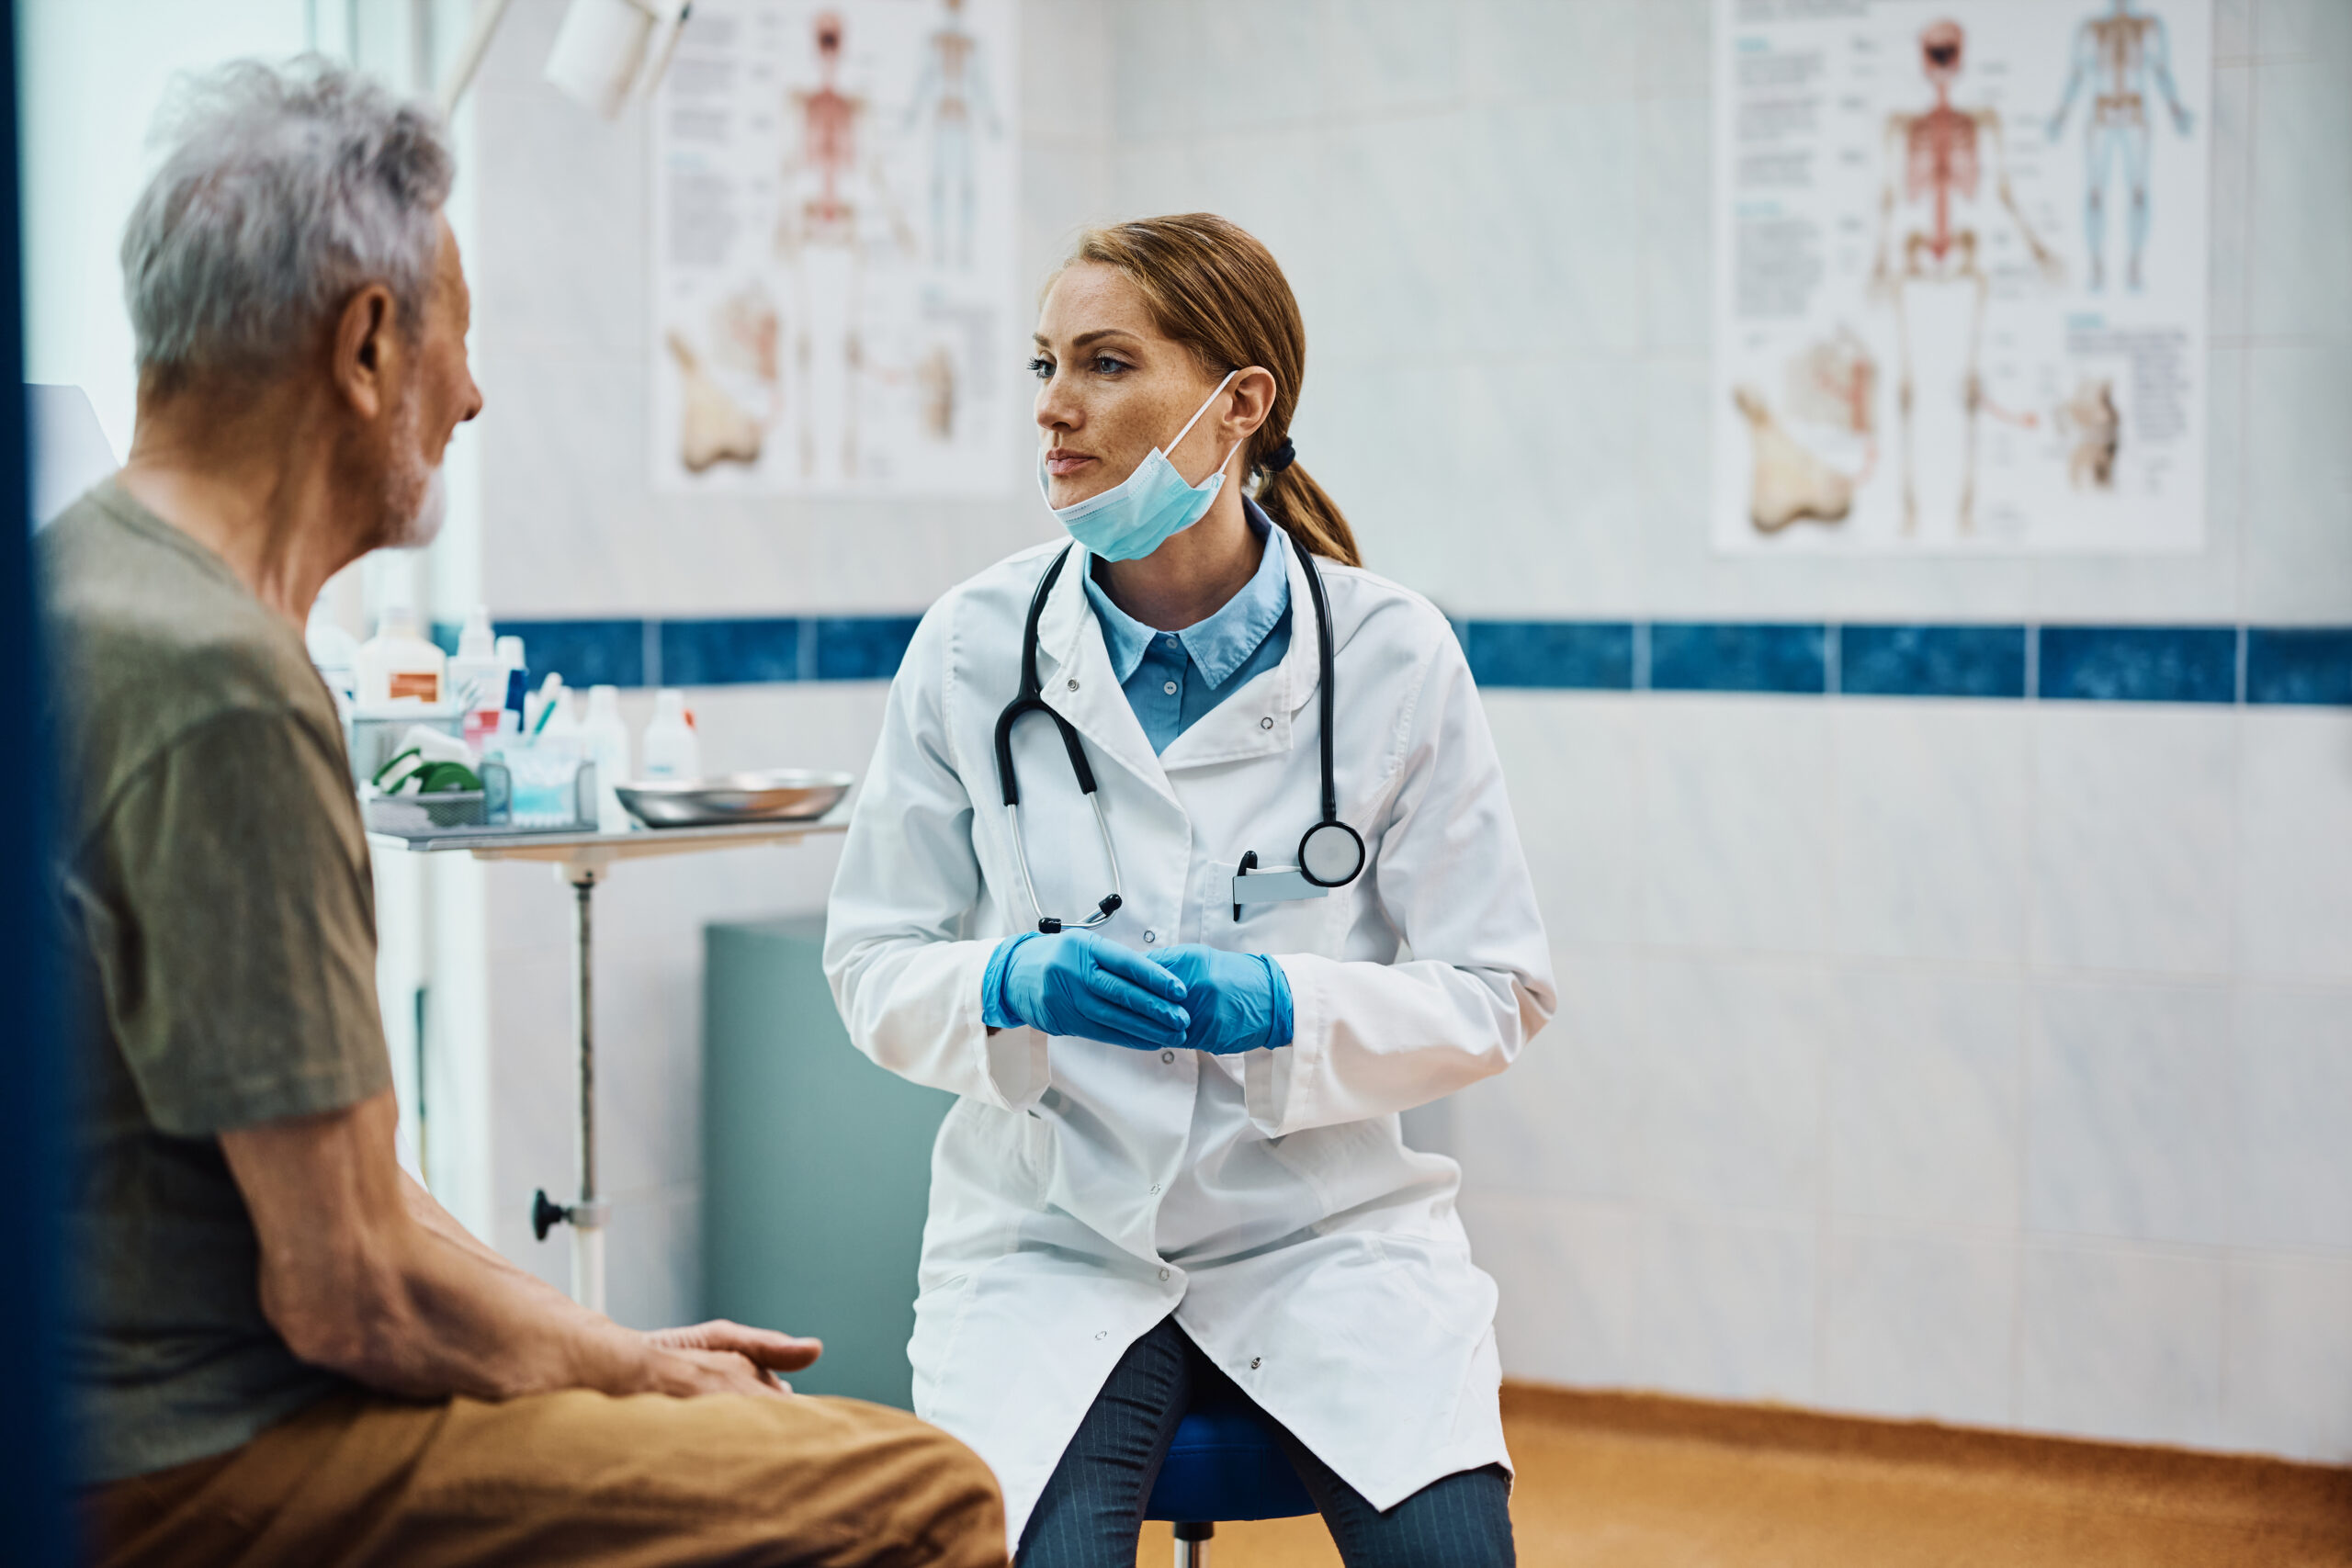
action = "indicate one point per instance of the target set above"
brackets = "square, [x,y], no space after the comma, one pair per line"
[446,778]
[816,1164]
[443,777]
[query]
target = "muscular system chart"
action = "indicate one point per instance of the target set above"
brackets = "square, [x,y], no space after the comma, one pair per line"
[1961,276]
[833,231]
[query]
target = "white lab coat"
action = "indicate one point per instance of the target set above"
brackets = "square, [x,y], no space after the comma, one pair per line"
[1082,1191]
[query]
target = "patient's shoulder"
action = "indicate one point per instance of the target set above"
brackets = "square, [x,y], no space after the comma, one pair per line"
[152,638]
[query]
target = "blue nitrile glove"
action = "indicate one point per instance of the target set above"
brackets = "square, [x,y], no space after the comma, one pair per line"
[1075,983]
[1238,1002]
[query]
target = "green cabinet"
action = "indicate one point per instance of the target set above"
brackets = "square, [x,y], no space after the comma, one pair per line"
[816,1171]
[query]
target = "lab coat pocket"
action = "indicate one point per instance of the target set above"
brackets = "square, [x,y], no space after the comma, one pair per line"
[988,1169]
[1288,925]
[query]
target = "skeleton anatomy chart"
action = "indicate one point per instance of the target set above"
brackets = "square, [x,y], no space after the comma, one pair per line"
[834,248]
[1960,274]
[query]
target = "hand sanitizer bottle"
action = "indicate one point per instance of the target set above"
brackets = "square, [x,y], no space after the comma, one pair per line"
[672,750]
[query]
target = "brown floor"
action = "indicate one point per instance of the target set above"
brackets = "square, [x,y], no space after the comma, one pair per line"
[1637,1480]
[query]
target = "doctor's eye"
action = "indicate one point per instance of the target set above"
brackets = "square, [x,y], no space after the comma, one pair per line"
[1106,364]
[1042,368]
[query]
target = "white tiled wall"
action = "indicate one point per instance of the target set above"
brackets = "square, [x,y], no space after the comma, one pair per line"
[1980,1061]
[573,528]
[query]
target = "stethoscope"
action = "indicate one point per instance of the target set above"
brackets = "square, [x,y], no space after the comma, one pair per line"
[1330,853]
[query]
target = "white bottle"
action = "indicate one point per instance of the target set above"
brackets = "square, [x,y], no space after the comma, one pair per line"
[397,665]
[607,739]
[563,728]
[672,750]
[476,678]
[333,651]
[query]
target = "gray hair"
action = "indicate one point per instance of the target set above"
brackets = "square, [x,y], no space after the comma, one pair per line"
[283,191]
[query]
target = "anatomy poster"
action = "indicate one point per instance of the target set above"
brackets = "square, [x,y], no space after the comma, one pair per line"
[1960,274]
[834,211]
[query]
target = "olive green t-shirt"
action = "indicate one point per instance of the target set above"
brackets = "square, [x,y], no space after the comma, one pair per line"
[218,934]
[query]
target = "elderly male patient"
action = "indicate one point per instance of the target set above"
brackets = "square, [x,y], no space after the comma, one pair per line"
[286,1353]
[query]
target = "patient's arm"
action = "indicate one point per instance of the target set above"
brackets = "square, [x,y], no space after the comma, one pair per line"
[363,1272]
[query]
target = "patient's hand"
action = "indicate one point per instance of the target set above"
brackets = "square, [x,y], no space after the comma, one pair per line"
[720,1356]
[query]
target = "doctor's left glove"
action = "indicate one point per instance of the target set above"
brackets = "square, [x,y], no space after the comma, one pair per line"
[1238,1001]
[1075,983]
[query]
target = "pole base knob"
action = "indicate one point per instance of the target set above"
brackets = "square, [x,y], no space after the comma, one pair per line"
[546,1213]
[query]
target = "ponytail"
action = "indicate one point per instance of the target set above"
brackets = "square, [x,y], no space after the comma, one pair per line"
[1312,519]
[1212,286]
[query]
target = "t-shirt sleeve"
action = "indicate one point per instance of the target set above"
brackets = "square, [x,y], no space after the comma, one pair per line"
[240,971]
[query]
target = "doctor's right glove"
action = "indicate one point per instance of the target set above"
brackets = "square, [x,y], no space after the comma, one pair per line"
[1077,984]
[1238,1002]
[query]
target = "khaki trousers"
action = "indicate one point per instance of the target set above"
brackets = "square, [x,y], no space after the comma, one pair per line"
[362,1481]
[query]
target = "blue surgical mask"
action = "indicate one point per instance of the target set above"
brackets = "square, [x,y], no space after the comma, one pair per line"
[1140,512]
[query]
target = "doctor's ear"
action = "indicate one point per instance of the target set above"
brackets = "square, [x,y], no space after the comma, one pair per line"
[1250,401]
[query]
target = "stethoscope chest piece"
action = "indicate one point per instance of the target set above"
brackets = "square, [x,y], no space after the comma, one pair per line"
[1331,854]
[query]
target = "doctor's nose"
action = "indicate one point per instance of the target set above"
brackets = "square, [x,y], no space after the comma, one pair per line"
[1056,408]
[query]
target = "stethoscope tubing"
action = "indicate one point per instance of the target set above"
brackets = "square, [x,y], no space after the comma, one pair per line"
[1033,700]
[1030,699]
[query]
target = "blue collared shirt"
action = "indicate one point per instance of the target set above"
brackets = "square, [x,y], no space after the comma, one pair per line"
[1173,678]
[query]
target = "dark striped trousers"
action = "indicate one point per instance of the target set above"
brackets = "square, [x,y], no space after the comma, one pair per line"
[1093,1508]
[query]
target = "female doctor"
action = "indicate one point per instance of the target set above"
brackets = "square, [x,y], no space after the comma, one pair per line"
[1175,1160]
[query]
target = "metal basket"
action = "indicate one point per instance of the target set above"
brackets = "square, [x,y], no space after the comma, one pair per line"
[412,814]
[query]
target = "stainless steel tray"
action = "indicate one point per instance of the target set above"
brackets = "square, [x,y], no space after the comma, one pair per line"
[789,794]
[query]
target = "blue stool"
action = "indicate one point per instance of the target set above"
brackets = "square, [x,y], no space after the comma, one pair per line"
[1223,1464]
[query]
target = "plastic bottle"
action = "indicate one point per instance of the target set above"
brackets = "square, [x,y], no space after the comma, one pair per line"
[518,677]
[672,750]
[607,740]
[477,679]
[333,651]
[397,665]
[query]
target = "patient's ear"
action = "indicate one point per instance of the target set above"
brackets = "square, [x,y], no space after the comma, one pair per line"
[366,351]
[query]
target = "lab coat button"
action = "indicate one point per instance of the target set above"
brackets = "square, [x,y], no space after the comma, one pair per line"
[1155,1188]
[1266,723]
[1151,936]
[1103,1335]
[1168,1055]
[1254,1360]
[1163,1273]
[1073,686]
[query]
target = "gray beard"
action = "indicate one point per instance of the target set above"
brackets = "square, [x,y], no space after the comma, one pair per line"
[416,499]
[422,525]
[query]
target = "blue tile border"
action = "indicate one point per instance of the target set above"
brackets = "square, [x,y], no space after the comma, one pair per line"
[2299,664]
[2309,666]
[588,653]
[1931,661]
[863,648]
[728,653]
[1698,656]
[1555,655]
[2139,664]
